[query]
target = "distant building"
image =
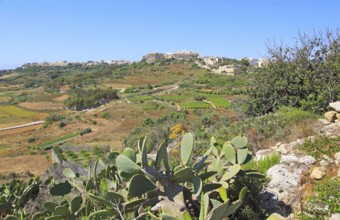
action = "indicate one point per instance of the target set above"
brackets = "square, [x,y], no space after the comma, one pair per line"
[152,57]
[185,55]
[179,55]
[261,62]
[65,63]
[213,61]
[229,70]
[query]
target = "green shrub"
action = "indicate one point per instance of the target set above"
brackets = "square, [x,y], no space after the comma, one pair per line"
[267,162]
[264,163]
[31,140]
[85,131]
[303,75]
[106,115]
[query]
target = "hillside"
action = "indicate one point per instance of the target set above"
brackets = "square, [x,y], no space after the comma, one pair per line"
[101,110]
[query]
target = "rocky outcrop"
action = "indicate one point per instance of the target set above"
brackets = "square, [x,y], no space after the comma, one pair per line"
[283,192]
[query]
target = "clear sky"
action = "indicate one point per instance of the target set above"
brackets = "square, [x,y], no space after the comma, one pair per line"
[74,30]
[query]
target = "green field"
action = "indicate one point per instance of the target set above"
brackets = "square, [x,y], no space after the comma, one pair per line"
[14,111]
[195,105]
[219,102]
[141,98]
[174,98]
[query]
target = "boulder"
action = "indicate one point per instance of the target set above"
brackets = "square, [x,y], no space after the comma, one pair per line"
[337,116]
[318,173]
[335,106]
[330,116]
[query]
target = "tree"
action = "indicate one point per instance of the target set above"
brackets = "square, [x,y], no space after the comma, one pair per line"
[305,75]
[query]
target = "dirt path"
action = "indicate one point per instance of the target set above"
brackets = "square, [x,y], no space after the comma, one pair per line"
[214,106]
[21,126]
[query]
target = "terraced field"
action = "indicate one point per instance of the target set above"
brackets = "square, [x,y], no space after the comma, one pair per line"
[141,98]
[195,105]
[219,102]
[13,111]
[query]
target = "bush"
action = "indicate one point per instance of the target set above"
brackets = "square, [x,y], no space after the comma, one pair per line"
[31,140]
[264,163]
[304,75]
[106,115]
[85,131]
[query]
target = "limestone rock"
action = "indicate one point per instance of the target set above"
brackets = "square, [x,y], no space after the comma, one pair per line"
[335,216]
[337,116]
[293,159]
[324,163]
[283,190]
[332,130]
[335,106]
[330,116]
[323,121]
[337,157]
[317,173]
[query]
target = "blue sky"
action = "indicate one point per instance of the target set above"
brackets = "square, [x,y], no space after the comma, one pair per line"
[74,30]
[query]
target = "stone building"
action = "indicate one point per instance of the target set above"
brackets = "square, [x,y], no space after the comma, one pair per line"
[229,70]
[152,57]
[213,61]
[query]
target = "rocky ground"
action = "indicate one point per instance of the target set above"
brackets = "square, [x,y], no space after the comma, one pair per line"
[284,193]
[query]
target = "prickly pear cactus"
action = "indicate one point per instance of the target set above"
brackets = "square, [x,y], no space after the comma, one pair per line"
[130,184]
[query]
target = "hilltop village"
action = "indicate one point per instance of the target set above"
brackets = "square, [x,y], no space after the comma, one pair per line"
[215,64]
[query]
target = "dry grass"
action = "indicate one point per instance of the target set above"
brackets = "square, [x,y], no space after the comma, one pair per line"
[65,88]
[61,98]
[36,164]
[160,75]
[39,106]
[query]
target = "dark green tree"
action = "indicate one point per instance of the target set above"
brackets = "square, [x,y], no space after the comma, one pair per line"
[305,75]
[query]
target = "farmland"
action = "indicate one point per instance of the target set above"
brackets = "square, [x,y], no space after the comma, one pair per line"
[159,101]
[219,102]
[14,111]
[195,105]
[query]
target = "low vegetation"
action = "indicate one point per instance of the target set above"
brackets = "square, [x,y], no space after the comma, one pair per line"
[321,146]
[324,201]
